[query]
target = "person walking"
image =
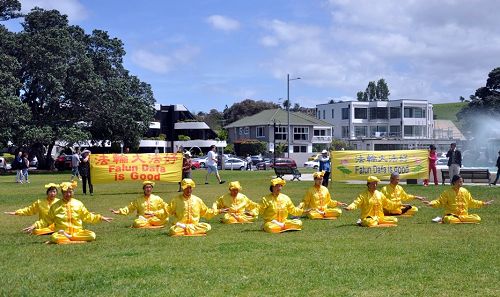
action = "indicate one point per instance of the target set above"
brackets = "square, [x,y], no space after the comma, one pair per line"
[18,165]
[75,162]
[25,164]
[249,162]
[498,171]
[454,160]
[325,165]
[212,165]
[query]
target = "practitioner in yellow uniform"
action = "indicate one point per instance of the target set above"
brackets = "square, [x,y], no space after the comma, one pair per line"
[394,192]
[186,210]
[148,207]
[456,201]
[40,207]
[317,202]
[372,202]
[236,207]
[67,216]
[275,208]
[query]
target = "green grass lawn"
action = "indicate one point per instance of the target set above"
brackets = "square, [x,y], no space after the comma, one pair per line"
[326,258]
[448,111]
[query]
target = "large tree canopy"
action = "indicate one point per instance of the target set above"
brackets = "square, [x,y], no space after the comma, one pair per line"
[72,86]
[246,108]
[375,92]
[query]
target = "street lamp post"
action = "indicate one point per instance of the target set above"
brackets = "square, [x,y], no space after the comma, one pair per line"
[288,79]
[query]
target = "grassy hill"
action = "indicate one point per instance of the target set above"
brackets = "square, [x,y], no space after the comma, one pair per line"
[448,111]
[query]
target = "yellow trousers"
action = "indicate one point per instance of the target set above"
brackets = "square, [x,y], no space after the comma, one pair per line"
[44,231]
[81,235]
[374,221]
[454,219]
[191,229]
[397,212]
[289,226]
[328,213]
[142,222]
[229,218]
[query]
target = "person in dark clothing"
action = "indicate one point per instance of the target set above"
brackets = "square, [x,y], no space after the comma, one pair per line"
[498,171]
[84,170]
[454,160]
[186,167]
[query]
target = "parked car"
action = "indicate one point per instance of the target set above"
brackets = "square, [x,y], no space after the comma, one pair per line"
[201,160]
[442,163]
[256,159]
[312,164]
[4,166]
[235,164]
[195,165]
[63,162]
[314,157]
[280,162]
[265,164]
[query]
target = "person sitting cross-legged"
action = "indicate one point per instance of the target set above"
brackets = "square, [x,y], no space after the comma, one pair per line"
[395,192]
[317,202]
[149,208]
[237,208]
[371,202]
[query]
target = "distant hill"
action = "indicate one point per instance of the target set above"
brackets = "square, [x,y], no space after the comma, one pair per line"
[448,111]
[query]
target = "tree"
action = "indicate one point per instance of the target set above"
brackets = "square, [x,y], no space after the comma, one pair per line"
[382,90]
[246,108]
[374,92]
[484,104]
[9,9]
[371,91]
[359,96]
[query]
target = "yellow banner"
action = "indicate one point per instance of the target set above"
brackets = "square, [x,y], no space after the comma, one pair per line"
[358,165]
[107,168]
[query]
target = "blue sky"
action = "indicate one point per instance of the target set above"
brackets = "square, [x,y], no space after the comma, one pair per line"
[211,53]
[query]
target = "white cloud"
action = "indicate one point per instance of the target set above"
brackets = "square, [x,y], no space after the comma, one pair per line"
[431,50]
[223,23]
[72,8]
[161,63]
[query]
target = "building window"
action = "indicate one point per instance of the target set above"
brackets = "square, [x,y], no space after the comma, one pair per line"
[361,131]
[318,112]
[345,113]
[395,131]
[377,113]
[260,131]
[324,114]
[247,130]
[378,131]
[361,113]
[300,148]
[414,131]
[345,132]
[319,132]
[300,133]
[280,133]
[395,112]
[241,131]
[414,112]
[333,114]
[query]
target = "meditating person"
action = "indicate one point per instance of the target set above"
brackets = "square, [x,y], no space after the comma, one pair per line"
[456,202]
[40,207]
[67,216]
[148,208]
[395,192]
[372,202]
[236,207]
[317,202]
[186,210]
[275,208]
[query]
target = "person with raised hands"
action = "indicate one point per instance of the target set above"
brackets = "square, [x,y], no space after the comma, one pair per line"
[275,208]
[40,207]
[317,202]
[186,210]
[149,209]
[236,207]
[67,215]
[372,203]
[456,202]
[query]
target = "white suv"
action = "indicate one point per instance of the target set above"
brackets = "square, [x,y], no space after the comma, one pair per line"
[4,166]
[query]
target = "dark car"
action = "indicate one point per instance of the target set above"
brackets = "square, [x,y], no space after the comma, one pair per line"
[280,162]
[63,162]
[256,159]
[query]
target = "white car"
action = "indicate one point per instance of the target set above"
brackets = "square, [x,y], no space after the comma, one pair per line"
[235,164]
[311,164]
[442,163]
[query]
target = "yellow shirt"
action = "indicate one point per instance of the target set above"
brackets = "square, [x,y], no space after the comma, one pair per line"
[154,204]
[456,203]
[188,210]
[396,194]
[68,216]
[40,207]
[277,208]
[318,198]
[372,205]
[238,204]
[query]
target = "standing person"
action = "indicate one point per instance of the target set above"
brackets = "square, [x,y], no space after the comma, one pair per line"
[454,160]
[186,168]
[498,171]
[18,165]
[40,207]
[456,202]
[84,170]
[432,166]
[75,162]
[372,203]
[325,165]
[212,165]
[249,162]
[25,164]
[67,215]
